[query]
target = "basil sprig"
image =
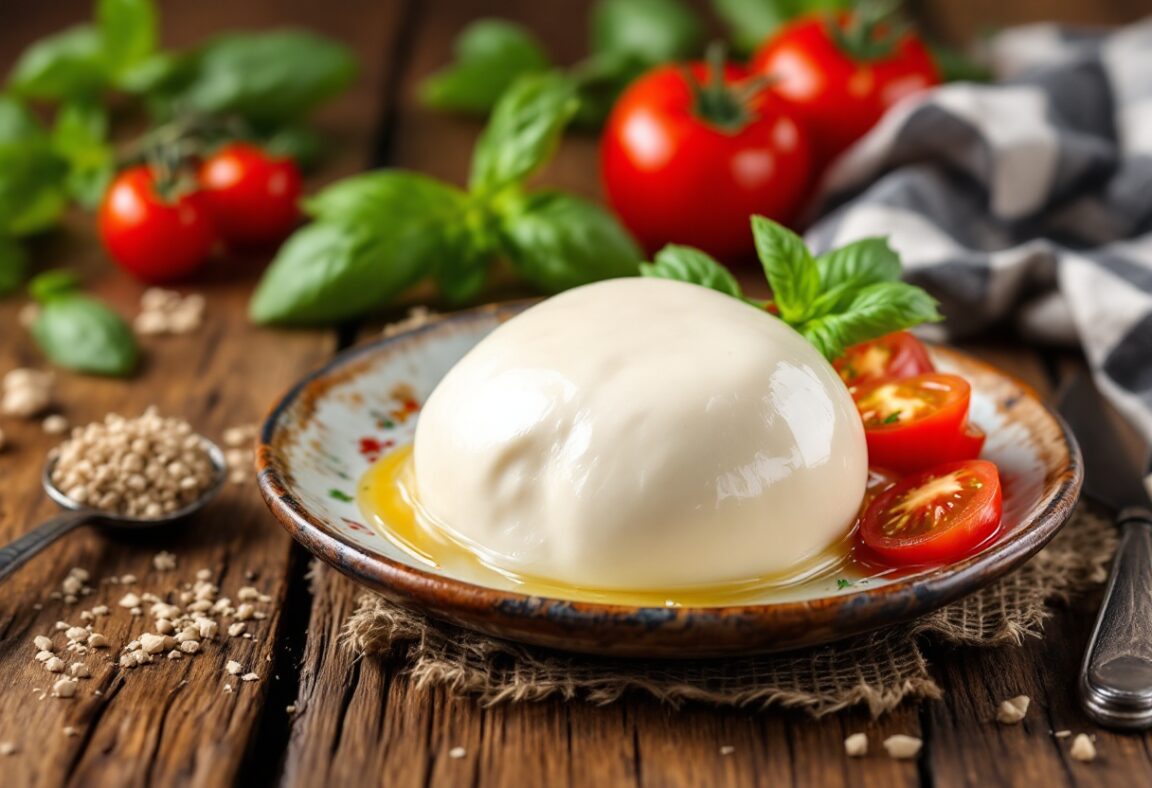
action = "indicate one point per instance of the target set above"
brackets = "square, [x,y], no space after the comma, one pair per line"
[627,38]
[78,332]
[849,295]
[375,235]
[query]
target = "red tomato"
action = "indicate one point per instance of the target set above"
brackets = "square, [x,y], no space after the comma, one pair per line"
[152,237]
[895,355]
[839,88]
[690,160]
[935,516]
[252,196]
[915,423]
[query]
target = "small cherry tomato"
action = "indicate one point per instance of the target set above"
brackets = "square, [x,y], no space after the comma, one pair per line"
[935,516]
[155,238]
[917,422]
[690,153]
[843,71]
[895,355]
[252,197]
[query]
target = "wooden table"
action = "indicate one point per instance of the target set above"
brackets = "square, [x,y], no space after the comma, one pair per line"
[363,722]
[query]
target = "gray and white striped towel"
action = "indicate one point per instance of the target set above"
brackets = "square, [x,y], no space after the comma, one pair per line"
[1027,201]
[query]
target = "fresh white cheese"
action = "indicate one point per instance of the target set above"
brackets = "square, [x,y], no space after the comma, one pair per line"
[642,434]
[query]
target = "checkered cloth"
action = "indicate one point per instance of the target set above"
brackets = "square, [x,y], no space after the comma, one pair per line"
[1025,202]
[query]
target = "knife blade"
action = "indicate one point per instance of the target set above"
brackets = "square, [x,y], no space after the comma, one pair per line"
[1112,476]
[1116,676]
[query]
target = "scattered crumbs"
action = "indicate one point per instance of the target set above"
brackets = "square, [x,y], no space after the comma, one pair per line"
[42,643]
[129,601]
[71,731]
[727,749]
[64,688]
[8,748]
[204,575]
[903,747]
[55,424]
[62,625]
[164,561]
[290,708]
[79,670]
[856,745]
[1062,734]
[457,752]
[1082,748]
[1013,710]
[228,689]
[236,629]
[233,667]
[54,665]
[250,677]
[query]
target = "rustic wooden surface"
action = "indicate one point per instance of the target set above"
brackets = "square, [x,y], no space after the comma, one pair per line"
[362,722]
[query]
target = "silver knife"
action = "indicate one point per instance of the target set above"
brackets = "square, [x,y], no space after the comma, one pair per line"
[1116,677]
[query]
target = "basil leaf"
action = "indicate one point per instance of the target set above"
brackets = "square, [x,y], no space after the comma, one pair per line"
[523,131]
[752,21]
[268,78]
[53,284]
[791,271]
[80,138]
[13,265]
[301,144]
[875,310]
[80,333]
[557,241]
[490,55]
[17,124]
[649,32]
[32,195]
[387,196]
[156,75]
[127,32]
[67,64]
[860,263]
[685,264]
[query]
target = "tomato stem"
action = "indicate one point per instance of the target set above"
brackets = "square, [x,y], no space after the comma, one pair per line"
[871,31]
[720,104]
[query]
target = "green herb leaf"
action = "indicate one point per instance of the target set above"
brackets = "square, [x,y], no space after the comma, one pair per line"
[875,310]
[491,54]
[557,241]
[791,271]
[53,284]
[299,143]
[842,583]
[685,264]
[956,65]
[80,137]
[523,132]
[268,78]
[127,32]
[32,195]
[64,65]
[80,333]
[13,265]
[377,234]
[17,124]
[860,263]
[648,32]
[753,21]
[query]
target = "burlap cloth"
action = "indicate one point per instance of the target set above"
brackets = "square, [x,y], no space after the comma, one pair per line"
[880,669]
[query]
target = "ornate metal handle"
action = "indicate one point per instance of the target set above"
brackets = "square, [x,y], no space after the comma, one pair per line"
[1116,679]
[14,554]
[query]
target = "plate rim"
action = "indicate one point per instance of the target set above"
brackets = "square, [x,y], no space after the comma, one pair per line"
[463,603]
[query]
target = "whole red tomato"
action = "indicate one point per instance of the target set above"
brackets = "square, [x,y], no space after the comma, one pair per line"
[155,238]
[842,72]
[252,196]
[689,154]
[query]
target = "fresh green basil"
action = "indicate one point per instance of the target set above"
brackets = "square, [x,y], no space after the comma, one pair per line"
[750,22]
[67,64]
[80,137]
[13,265]
[875,310]
[523,131]
[17,124]
[53,284]
[296,142]
[268,78]
[80,333]
[491,54]
[557,241]
[791,271]
[648,32]
[127,32]
[860,263]
[32,195]
[393,196]
[685,264]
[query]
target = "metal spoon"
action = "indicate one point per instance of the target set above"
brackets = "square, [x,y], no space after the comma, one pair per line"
[15,554]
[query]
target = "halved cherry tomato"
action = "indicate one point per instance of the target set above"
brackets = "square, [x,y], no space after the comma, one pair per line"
[879,480]
[971,442]
[935,516]
[917,422]
[895,355]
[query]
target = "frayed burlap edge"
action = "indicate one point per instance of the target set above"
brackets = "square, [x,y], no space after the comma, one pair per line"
[878,670]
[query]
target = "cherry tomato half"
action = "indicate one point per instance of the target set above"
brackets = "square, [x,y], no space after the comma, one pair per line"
[687,157]
[153,237]
[842,72]
[253,197]
[935,516]
[895,355]
[917,422]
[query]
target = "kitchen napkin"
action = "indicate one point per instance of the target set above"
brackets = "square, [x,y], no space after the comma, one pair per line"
[1028,200]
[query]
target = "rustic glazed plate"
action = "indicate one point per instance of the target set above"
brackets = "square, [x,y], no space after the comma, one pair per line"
[329,429]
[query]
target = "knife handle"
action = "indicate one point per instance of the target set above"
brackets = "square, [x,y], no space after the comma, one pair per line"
[1116,679]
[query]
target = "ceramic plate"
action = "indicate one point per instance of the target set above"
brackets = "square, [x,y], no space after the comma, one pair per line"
[329,429]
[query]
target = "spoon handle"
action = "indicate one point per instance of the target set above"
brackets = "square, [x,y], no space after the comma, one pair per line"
[14,554]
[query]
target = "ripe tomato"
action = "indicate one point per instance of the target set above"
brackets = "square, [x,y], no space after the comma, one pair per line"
[251,196]
[153,237]
[842,72]
[688,160]
[935,516]
[895,355]
[915,423]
